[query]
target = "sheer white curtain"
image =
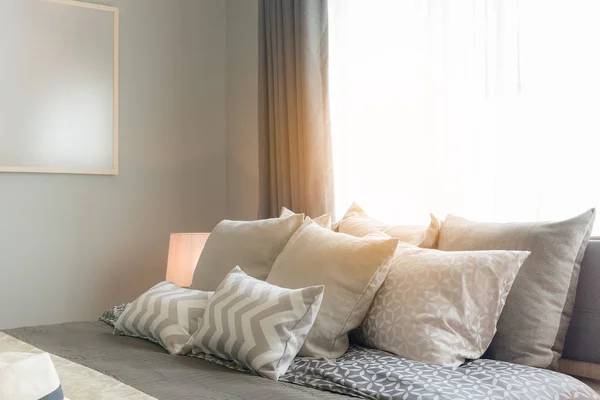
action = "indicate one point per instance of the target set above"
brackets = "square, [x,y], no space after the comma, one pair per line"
[488,109]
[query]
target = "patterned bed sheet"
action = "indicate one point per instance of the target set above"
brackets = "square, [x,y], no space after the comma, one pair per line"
[375,374]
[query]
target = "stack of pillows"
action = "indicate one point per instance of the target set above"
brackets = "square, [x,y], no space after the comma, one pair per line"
[267,291]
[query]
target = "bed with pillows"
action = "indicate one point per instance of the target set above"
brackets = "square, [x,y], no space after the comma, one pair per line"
[300,308]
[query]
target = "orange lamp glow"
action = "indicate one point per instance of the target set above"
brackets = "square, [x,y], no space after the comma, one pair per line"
[184,251]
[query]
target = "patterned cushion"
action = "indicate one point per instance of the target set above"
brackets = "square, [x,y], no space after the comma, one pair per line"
[257,325]
[440,307]
[165,314]
[357,222]
[533,325]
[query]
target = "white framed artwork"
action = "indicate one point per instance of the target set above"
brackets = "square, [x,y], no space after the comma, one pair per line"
[59,87]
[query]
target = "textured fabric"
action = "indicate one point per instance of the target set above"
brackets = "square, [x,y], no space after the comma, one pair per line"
[533,325]
[26,375]
[583,337]
[352,270]
[440,307]
[253,245]
[111,315]
[324,220]
[77,381]
[375,374]
[357,222]
[257,324]
[295,159]
[147,367]
[166,314]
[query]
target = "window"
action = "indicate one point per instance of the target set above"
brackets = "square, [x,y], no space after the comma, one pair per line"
[485,109]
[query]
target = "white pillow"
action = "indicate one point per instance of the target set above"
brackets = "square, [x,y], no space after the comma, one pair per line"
[440,307]
[357,222]
[352,270]
[256,324]
[324,220]
[254,245]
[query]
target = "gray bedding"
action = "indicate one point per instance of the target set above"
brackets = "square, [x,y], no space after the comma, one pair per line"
[150,369]
[360,372]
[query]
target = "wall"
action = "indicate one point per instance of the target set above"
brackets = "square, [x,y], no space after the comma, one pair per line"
[242,109]
[72,245]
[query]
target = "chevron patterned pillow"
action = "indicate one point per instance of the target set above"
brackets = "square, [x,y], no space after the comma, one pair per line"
[166,314]
[258,325]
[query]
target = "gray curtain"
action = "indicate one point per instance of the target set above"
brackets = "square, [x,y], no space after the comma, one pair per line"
[295,161]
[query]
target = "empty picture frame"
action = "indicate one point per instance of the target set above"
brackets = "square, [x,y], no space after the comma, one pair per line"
[59,87]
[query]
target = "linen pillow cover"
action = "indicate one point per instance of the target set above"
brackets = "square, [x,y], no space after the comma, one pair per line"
[440,307]
[533,325]
[252,244]
[352,270]
[357,222]
[324,220]
[166,314]
[256,324]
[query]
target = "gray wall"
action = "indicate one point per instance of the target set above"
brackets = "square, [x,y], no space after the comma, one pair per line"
[72,245]
[242,109]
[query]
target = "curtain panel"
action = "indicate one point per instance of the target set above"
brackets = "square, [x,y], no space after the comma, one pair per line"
[295,155]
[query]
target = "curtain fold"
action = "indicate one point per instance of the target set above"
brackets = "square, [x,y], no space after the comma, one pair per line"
[295,154]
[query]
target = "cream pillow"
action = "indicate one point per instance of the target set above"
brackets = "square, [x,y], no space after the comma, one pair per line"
[440,307]
[357,222]
[324,220]
[254,245]
[351,269]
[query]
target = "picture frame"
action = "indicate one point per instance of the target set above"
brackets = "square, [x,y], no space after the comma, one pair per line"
[67,152]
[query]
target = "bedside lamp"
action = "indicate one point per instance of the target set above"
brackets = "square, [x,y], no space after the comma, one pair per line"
[184,251]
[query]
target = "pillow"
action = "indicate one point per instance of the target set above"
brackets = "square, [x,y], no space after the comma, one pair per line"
[440,307]
[166,314]
[257,325]
[324,220]
[352,270]
[533,325]
[252,244]
[357,222]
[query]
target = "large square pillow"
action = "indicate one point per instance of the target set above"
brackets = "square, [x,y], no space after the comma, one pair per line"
[352,269]
[357,222]
[254,245]
[533,325]
[258,325]
[439,307]
[166,314]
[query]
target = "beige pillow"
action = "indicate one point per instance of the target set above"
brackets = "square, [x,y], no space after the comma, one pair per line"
[440,307]
[324,220]
[253,245]
[352,270]
[357,222]
[533,325]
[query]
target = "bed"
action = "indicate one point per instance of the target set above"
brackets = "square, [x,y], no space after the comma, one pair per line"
[151,372]
[95,364]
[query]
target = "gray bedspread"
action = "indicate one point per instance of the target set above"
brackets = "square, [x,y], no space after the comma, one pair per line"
[150,369]
[362,372]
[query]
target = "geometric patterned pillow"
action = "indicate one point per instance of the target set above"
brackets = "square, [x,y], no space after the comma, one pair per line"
[440,307]
[166,314]
[257,325]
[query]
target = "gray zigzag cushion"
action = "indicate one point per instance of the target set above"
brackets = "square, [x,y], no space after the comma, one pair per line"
[166,314]
[258,325]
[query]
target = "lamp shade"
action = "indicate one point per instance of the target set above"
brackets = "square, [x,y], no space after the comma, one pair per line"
[184,251]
